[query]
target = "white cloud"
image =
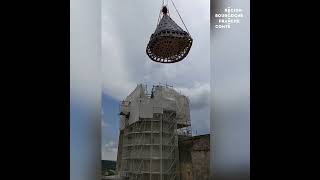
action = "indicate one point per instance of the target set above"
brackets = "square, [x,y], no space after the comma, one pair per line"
[199,95]
[111,146]
[116,80]
[104,124]
[109,154]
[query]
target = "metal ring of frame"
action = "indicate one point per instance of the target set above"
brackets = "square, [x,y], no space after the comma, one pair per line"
[159,38]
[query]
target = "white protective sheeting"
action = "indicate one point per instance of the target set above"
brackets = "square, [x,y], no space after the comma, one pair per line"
[183,111]
[137,93]
[165,98]
[168,104]
[141,106]
[179,103]
[134,103]
[122,122]
[134,111]
[146,108]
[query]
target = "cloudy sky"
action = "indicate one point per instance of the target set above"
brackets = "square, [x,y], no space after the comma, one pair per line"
[126,29]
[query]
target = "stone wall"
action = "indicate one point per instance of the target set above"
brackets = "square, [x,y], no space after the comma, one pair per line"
[185,147]
[194,154]
[119,154]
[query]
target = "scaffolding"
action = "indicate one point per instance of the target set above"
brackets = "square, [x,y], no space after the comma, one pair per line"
[151,125]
